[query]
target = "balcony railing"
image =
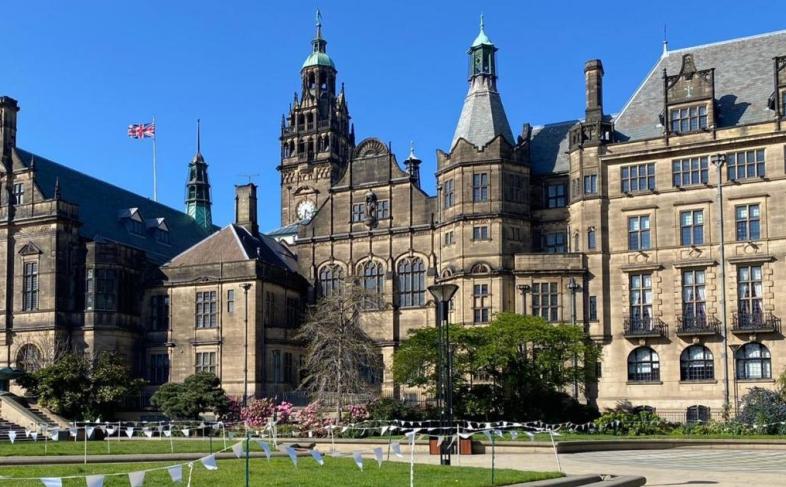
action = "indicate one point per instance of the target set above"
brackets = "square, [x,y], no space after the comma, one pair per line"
[756,322]
[643,327]
[697,325]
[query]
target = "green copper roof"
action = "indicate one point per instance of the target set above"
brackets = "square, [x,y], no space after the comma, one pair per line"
[482,39]
[317,58]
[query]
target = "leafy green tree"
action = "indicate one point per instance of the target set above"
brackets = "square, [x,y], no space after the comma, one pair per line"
[199,393]
[528,360]
[77,387]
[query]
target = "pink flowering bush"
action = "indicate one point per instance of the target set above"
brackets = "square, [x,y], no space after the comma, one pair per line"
[233,411]
[258,412]
[310,419]
[284,411]
[357,413]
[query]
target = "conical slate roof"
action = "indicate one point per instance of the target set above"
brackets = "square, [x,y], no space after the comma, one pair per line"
[483,116]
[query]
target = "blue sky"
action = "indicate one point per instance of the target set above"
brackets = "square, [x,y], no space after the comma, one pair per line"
[83,70]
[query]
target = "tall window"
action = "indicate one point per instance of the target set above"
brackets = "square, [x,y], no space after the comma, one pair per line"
[480,310]
[545,300]
[293,312]
[158,373]
[749,293]
[277,369]
[373,275]
[689,119]
[288,367]
[411,282]
[514,188]
[687,172]
[696,364]
[593,308]
[105,289]
[692,227]
[448,194]
[591,243]
[641,300]
[639,233]
[206,362]
[30,286]
[230,301]
[753,361]
[159,312]
[480,233]
[29,358]
[270,306]
[358,212]
[555,243]
[640,177]
[206,309]
[748,222]
[556,195]
[693,298]
[19,194]
[643,365]
[480,187]
[331,277]
[591,184]
[383,209]
[448,238]
[747,164]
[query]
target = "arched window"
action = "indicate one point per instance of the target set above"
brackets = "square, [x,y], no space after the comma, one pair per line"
[447,272]
[331,278]
[480,269]
[28,358]
[372,278]
[753,362]
[696,363]
[697,414]
[643,365]
[411,282]
[644,409]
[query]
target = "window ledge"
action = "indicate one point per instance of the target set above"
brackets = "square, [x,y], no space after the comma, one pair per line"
[756,381]
[703,381]
[644,383]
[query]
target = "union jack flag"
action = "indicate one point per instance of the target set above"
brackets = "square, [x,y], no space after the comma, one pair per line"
[141,130]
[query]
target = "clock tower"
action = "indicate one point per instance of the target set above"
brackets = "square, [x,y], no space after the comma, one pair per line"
[316,136]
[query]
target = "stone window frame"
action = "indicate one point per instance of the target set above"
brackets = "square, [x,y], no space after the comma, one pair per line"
[555,247]
[627,178]
[159,312]
[31,284]
[690,171]
[157,376]
[18,194]
[694,238]
[371,274]
[480,187]
[640,233]
[480,233]
[592,242]
[553,295]
[448,238]
[749,222]
[481,302]
[358,212]
[697,368]
[206,306]
[698,414]
[411,273]
[206,361]
[558,198]
[592,179]
[449,193]
[742,359]
[637,360]
[332,274]
[685,115]
[693,311]
[753,305]
[643,309]
[752,169]
[230,301]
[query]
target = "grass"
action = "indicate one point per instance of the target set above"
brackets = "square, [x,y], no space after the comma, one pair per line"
[122,447]
[280,472]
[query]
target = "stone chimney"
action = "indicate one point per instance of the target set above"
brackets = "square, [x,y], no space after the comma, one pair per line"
[246,207]
[593,75]
[413,165]
[8,111]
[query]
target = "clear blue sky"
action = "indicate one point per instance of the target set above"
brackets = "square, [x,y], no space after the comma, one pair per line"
[83,70]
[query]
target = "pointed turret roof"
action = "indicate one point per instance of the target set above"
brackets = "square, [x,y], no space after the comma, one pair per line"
[318,56]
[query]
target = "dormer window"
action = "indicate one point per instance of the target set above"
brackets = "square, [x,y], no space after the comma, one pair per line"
[158,229]
[19,194]
[132,220]
[689,119]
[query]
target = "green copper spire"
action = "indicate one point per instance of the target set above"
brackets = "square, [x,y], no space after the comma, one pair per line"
[318,56]
[482,39]
[198,188]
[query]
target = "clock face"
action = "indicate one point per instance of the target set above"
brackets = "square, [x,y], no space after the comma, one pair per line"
[305,210]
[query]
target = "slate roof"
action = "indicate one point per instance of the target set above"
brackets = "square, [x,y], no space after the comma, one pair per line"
[549,148]
[743,84]
[482,116]
[100,203]
[234,243]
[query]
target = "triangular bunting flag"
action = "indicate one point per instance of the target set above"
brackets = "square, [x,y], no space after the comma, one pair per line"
[110,430]
[148,432]
[175,473]
[89,431]
[396,447]
[54,435]
[185,431]
[95,480]
[378,455]
[130,431]
[72,432]
[52,482]
[488,435]
[137,479]
[358,457]
[237,449]
[167,433]
[514,435]
[383,431]
[11,436]
[209,462]
[317,457]
[265,448]
[530,434]
[34,435]
[27,433]
[292,454]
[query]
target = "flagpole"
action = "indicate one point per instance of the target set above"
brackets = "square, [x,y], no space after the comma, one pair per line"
[155,182]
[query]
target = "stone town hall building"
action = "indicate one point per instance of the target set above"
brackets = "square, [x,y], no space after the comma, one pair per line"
[621,210]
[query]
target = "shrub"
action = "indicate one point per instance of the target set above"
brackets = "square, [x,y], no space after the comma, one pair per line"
[284,411]
[257,413]
[310,419]
[357,413]
[623,422]
[199,393]
[764,410]
[232,414]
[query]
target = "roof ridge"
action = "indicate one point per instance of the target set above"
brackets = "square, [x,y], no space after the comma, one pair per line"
[197,244]
[729,41]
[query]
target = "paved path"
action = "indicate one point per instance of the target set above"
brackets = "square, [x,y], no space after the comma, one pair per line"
[674,467]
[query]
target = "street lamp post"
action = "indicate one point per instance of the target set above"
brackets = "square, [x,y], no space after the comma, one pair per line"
[524,289]
[574,286]
[719,160]
[246,286]
[442,294]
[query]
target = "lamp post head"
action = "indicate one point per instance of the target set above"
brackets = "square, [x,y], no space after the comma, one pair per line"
[245,286]
[573,285]
[524,288]
[718,159]
[443,292]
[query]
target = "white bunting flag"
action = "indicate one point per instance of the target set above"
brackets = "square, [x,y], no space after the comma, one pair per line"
[358,459]
[531,435]
[310,434]
[185,431]
[148,432]
[440,439]
[130,431]
[499,433]
[292,454]
[72,432]
[175,473]
[344,429]
[514,435]
[34,435]
[27,433]
[317,457]
[54,434]
[168,433]
[467,434]
[396,446]
[265,448]
[237,449]
[110,430]
[137,479]
[95,480]
[52,482]
[378,455]
[89,431]
[12,436]
[209,462]
[488,435]
[383,431]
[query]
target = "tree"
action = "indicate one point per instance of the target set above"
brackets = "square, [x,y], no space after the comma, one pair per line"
[337,347]
[199,393]
[77,387]
[527,360]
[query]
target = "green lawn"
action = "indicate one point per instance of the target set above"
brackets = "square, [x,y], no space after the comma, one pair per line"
[280,472]
[114,447]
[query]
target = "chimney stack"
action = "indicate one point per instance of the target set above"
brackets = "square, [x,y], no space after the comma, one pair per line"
[8,111]
[246,208]
[593,75]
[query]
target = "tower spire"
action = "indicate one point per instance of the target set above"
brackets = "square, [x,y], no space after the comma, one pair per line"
[199,141]
[198,205]
[319,24]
